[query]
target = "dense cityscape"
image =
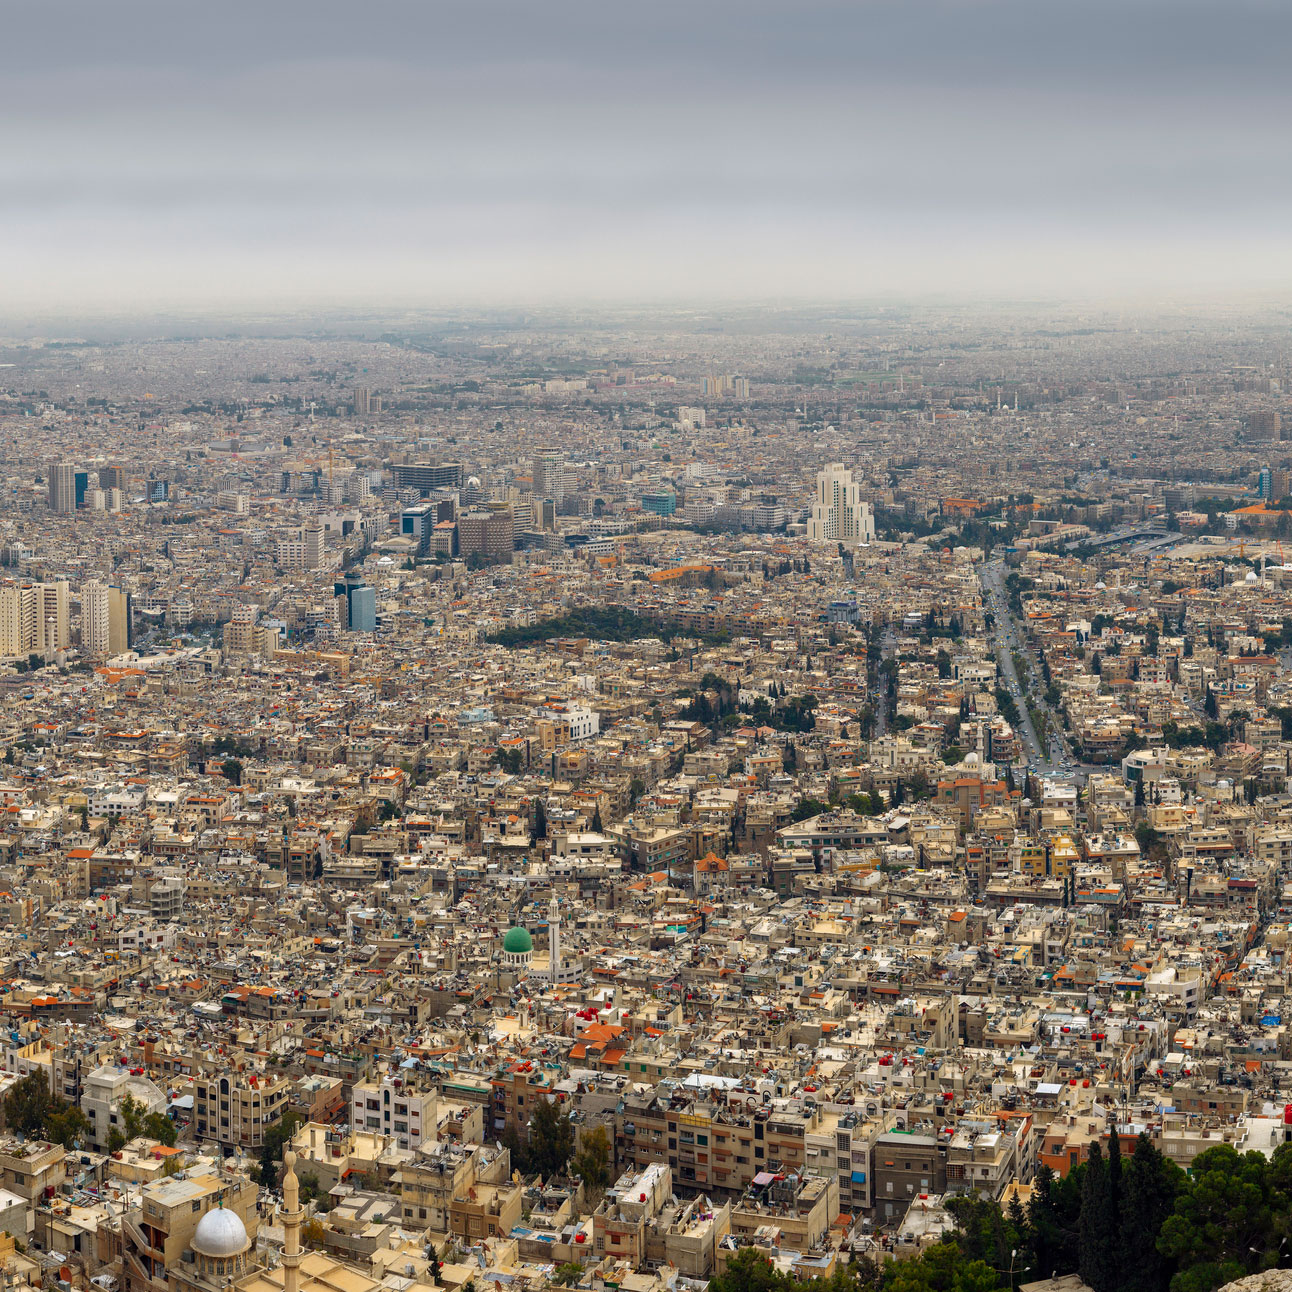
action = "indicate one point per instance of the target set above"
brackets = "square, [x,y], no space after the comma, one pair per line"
[757,798]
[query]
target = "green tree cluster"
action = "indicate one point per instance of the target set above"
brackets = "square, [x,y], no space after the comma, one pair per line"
[32,1110]
[135,1121]
[1134,1225]
[275,1140]
[548,1144]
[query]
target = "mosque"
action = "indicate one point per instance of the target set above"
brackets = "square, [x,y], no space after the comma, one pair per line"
[224,1256]
[518,956]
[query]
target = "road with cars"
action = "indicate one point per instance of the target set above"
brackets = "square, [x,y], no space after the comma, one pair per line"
[1052,757]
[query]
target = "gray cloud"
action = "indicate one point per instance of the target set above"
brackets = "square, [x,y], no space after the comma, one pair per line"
[496,148]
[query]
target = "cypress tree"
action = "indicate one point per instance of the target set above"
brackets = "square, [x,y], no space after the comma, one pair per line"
[1044,1223]
[1149,1188]
[1097,1226]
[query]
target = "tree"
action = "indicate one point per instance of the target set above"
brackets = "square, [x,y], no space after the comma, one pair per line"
[1043,1221]
[160,1127]
[276,1138]
[27,1104]
[67,1127]
[1097,1227]
[313,1235]
[231,769]
[510,1140]
[592,1164]
[748,1271]
[1224,1227]
[551,1138]
[540,819]
[807,808]
[983,1232]
[944,664]
[1151,1185]
[942,1268]
[597,826]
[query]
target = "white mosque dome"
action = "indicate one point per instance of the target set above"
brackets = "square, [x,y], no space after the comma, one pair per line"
[220,1233]
[1251,577]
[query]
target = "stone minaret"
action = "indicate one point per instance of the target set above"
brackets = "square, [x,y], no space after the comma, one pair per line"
[292,1215]
[554,939]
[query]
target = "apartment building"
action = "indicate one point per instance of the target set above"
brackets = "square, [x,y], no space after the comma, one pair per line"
[235,1110]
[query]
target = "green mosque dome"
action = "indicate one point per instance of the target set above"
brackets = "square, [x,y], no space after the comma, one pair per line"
[517,942]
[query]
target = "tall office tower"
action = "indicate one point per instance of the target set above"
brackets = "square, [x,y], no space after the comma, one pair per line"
[424,477]
[62,487]
[120,616]
[362,401]
[313,545]
[549,475]
[359,609]
[53,617]
[17,619]
[34,618]
[1264,424]
[112,478]
[240,632]
[838,514]
[95,619]
[740,387]
[1265,483]
[363,610]
[543,514]
[417,522]
[82,479]
[491,534]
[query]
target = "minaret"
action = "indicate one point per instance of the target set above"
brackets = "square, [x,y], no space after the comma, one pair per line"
[291,1225]
[554,939]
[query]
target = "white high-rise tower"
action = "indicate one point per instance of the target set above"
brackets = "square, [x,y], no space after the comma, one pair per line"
[95,619]
[838,514]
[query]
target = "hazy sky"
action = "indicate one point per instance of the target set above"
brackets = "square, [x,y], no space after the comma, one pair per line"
[211,151]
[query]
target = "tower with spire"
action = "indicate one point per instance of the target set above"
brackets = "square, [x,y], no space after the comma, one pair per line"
[554,939]
[291,1218]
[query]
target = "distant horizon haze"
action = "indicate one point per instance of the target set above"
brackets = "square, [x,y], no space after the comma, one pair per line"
[501,153]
